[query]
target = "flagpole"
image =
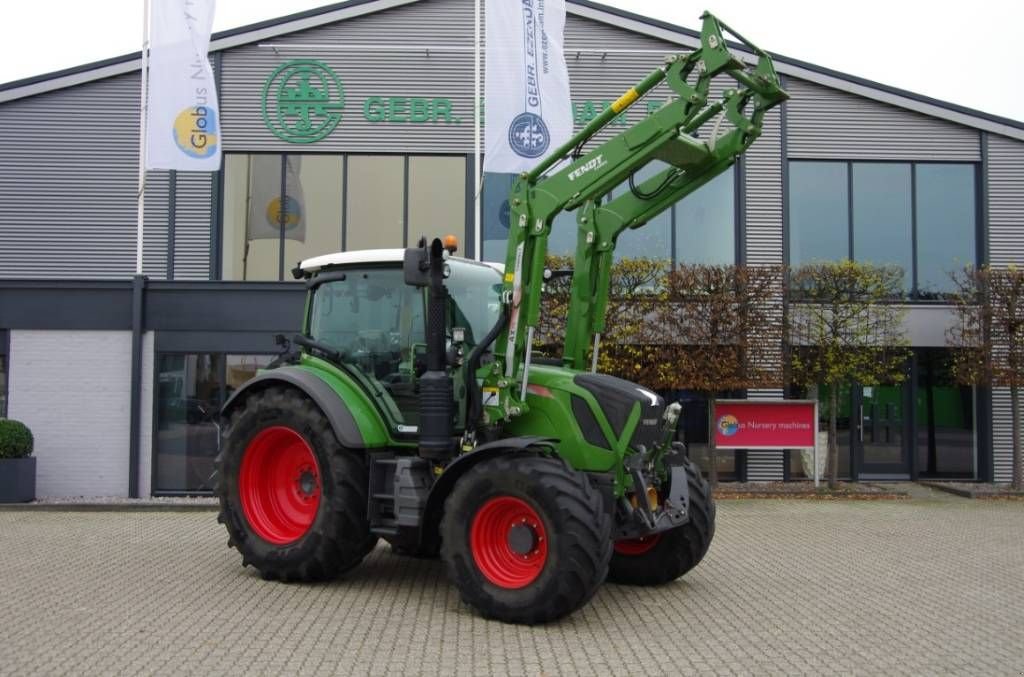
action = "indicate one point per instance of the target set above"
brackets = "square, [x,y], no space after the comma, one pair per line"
[477,174]
[144,76]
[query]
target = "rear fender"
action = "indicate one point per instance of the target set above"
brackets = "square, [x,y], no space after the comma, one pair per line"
[354,430]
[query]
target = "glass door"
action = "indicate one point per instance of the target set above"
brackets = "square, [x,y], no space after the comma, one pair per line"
[880,432]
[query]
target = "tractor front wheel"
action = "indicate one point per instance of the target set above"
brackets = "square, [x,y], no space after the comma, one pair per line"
[525,539]
[667,555]
[292,498]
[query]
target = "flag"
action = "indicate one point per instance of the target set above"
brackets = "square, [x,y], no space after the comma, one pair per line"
[183,121]
[526,86]
[267,207]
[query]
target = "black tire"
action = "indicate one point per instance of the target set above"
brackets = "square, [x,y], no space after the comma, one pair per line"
[572,516]
[338,537]
[677,550]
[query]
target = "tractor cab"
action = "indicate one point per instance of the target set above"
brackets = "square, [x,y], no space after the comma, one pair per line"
[360,307]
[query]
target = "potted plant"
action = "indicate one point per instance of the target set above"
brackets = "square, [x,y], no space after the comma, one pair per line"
[17,465]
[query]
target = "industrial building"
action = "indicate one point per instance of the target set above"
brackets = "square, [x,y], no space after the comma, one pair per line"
[120,377]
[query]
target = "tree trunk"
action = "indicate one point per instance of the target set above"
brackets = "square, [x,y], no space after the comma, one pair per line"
[833,436]
[1018,467]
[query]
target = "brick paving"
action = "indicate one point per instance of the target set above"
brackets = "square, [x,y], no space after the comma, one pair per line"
[796,587]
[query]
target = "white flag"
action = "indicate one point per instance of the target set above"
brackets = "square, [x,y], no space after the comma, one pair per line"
[183,122]
[268,209]
[528,110]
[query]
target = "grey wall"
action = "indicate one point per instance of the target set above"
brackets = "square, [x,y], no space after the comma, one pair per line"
[1005,247]
[827,123]
[72,390]
[68,181]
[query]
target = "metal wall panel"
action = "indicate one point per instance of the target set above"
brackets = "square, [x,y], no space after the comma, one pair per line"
[1005,183]
[68,185]
[193,196]
[828,123]
[429,74]
[1002,437]
[1005,201]
[765,466]
[763,188]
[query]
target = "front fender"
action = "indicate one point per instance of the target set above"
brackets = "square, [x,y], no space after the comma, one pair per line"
[459,467]
[359,429]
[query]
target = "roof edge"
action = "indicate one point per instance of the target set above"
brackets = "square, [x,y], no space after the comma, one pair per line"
[236,36]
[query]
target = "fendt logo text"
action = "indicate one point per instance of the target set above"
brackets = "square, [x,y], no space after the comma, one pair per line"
[589,166]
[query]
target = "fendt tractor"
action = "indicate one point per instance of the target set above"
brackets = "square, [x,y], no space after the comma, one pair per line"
[410,408]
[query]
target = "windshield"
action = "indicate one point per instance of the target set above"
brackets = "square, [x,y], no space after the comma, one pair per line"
[376,321]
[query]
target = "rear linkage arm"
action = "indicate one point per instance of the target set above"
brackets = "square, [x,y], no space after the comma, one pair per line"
[582,180]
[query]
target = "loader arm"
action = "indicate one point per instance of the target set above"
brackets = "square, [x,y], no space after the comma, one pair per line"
[570,179]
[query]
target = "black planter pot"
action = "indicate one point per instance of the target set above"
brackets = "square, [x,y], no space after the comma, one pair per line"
[17,480]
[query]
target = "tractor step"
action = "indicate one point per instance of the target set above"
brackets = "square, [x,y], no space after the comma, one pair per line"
[399,486]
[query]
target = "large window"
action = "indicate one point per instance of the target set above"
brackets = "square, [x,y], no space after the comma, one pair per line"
[921,217]
[701,228]
[191,388]
[280,209]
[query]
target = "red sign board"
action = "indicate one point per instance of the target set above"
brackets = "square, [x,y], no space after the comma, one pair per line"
[765,424]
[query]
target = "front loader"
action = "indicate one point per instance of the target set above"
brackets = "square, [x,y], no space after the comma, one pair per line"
[410,409]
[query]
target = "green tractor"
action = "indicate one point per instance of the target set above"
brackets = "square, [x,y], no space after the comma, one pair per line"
[409,408]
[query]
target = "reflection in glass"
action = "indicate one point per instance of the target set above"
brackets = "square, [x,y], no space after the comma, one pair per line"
[818,212]
[882,411]
[945,420]
[3,386]
[882,215]
[190,391]
[844,423]
[495,215]
[653,240]
[693,430]
[188,398]
[437,198]
[945,224]
[706,223]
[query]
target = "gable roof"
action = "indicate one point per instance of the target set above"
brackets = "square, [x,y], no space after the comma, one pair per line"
[584,8]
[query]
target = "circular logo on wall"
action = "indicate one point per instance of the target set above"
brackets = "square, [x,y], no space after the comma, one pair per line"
[528,135]
[302,101]
[728,425]
[195,131]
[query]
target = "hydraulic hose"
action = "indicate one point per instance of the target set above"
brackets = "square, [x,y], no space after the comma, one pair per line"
[474,409]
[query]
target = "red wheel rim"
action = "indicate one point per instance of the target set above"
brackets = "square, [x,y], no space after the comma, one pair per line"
[637,546]
[508,542]
[279,485]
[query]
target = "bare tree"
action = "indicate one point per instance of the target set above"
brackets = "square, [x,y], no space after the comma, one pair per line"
[987,339]
[844,328]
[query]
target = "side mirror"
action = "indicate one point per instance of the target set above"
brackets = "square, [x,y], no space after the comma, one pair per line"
[416,265]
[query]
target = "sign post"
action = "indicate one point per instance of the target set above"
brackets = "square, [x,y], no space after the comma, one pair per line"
[766,425]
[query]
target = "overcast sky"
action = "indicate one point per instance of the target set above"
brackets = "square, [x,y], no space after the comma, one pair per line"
[967,53]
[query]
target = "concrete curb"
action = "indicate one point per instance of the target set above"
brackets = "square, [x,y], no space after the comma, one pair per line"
[967,493]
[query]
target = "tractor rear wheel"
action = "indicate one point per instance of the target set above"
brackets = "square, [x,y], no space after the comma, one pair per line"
[525,539]
[292,498]
[667,555]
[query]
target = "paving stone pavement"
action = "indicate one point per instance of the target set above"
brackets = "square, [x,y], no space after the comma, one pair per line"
[789,587]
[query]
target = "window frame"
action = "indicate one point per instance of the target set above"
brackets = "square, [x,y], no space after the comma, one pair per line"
[914,293]
[738,219]
[217,211]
